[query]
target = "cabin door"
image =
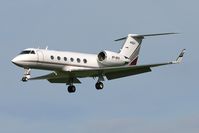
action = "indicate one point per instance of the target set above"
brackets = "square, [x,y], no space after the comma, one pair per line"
[40,56]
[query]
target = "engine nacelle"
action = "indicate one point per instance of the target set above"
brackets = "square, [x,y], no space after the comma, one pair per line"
[109,58]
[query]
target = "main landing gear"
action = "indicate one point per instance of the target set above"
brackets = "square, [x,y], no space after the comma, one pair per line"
[26,76]
[99,85]
[71,88]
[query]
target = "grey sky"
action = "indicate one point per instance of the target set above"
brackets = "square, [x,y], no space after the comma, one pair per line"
[165,100]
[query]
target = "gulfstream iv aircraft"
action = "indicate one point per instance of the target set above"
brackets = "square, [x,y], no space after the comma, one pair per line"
[68,67]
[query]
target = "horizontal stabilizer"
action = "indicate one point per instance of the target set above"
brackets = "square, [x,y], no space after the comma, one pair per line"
[159,34]
[144,35]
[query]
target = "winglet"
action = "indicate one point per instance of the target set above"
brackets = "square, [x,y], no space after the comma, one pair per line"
[180,57]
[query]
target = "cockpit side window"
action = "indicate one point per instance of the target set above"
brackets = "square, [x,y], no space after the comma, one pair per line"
[28,52]
[32,52]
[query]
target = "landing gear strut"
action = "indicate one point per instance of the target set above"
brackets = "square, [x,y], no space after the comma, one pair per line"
[71,89]
[99,85]
[26,75]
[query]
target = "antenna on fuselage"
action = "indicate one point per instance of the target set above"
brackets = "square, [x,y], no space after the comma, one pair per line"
[46,47]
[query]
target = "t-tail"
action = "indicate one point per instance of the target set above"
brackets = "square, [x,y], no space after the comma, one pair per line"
[131,48]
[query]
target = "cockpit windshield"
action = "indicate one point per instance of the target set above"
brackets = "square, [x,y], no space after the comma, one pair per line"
[28,52]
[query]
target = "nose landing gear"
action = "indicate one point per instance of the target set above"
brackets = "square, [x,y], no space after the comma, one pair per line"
[26,76]
[24,79]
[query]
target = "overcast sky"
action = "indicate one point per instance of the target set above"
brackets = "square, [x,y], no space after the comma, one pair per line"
[165,100]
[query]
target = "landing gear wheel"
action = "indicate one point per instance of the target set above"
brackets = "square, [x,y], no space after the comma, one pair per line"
[99,85]
[71,89]
[24,79]
[26,75]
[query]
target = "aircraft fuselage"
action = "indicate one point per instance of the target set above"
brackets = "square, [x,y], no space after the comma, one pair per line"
[55,60]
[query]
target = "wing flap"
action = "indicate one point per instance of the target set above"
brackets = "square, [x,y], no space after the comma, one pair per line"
[124,73]
[61,77]
[47,76]
[64,80]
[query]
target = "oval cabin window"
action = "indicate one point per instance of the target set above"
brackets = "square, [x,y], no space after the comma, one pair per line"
[58,57]
[78,60]
[65,59]
[84,60]
[71,59]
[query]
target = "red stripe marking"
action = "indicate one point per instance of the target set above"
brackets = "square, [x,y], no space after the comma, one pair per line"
[134,62]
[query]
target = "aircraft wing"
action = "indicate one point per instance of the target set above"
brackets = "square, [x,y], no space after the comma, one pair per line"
[119,72]
[116,72]
[109,72]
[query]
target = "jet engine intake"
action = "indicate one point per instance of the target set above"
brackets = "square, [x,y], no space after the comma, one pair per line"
[108,58]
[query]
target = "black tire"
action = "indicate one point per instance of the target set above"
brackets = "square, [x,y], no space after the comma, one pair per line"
[99,85]
[71,89]
[24,79]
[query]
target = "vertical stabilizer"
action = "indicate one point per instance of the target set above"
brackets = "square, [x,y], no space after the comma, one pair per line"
[131,48]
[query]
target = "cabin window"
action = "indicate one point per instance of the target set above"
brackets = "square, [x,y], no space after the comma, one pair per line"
[58,57]
[78,60]
[65,59]
[71,59]
[84,60]
[52,57]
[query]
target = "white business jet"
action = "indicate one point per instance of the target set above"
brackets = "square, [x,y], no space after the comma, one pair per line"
[68,67]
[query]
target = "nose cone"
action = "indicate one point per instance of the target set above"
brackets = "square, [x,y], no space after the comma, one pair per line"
[19,60]
[15,61]
[25,60]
